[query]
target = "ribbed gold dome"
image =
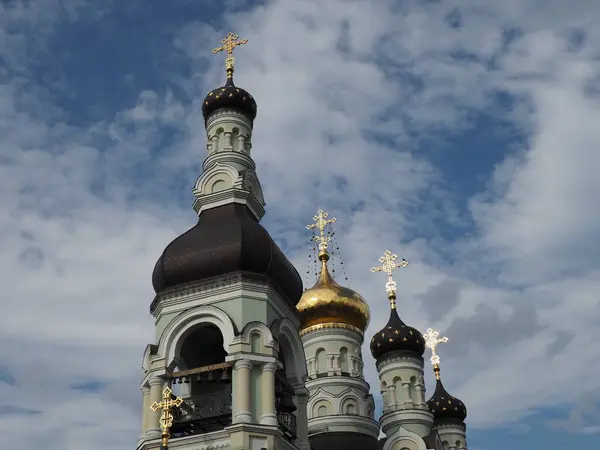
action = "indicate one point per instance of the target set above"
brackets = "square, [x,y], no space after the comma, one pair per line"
[328,303]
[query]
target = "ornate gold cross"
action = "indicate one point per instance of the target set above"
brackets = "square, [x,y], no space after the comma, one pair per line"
[166,418]
[230,42]
[321,221]
[389,265]
[432,341]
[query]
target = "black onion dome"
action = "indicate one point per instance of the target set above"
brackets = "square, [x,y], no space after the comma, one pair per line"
[232,97]
[226,239]
[397,336]
[444,406]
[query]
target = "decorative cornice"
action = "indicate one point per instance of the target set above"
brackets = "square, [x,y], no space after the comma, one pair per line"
[224,283]
[228,114]
[396,357]
[204,286]
[232,195]
[330,326]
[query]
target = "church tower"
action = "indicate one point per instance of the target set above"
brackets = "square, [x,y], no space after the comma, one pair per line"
[398,351]
[449,413]
[333,321]
[227,340]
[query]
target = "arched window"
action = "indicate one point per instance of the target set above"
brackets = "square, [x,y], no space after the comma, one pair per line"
[321,358]
[322,411]
[350,409]
[255,344]
[344,360]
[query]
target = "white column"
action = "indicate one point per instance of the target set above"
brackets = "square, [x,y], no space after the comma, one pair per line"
[406,390]
[227,145]
[214,143]
[242,384]
[153,426]
[419,394]
[145,408]
[241,143]
[392,397]
[267,394]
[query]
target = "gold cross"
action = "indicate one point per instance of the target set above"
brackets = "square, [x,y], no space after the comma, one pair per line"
[230,42]
[321,221]
[432,341]
[389,265]
[166,418]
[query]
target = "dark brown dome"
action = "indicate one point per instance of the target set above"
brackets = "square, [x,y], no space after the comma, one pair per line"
[396,336]
[226,239]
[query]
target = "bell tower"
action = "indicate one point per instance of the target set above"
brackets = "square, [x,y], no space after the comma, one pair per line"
[398,350]
[333,321]
[227,342]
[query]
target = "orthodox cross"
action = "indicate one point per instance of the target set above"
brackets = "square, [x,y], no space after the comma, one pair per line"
[321,221]
[230,42]
[166,418]
[389,265]
[432,341]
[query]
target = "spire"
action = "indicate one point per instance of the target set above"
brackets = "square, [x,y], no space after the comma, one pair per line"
[389,265]
[432,341]
[443,405]
[166,418]
[230,42]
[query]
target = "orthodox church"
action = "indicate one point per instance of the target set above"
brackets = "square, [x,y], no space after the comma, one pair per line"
[245,358]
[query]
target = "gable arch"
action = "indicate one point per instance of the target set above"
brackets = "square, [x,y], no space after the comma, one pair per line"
[175,332]
[266,337]
[350,400]
[219,172]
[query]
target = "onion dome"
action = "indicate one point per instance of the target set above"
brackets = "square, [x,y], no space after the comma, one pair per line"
[443,405]
[396,336]
[226,239]
[230,97]
[329,303]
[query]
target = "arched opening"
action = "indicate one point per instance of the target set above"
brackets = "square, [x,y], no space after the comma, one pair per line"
[344,361]
[398,398]
[255,342]
[321,358]
[284,401]
[322,411]
[203,379]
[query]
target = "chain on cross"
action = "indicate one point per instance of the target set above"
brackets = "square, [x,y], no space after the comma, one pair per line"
[166,418]
[321,221]
[230,42]
[389,265]
[432,341]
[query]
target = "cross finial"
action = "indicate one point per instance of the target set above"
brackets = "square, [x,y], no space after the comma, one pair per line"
[166,418]
[389,265]
[432,341]
[321,221]
[230,42]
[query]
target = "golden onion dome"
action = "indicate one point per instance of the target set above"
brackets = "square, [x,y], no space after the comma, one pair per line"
[329,304]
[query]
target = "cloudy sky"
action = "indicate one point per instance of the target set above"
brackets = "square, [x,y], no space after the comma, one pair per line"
[464,138]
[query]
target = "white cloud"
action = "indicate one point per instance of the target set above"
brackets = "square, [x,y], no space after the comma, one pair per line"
[86,211]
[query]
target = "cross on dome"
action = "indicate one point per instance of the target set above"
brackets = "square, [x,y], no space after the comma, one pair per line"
[230,42]
[389,265]
[432,341]
[321,221]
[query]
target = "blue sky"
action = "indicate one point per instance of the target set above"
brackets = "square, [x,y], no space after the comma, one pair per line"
[464,138]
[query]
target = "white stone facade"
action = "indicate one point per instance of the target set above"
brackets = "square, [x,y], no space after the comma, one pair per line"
[229,173]
[403,391]
[339,395]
